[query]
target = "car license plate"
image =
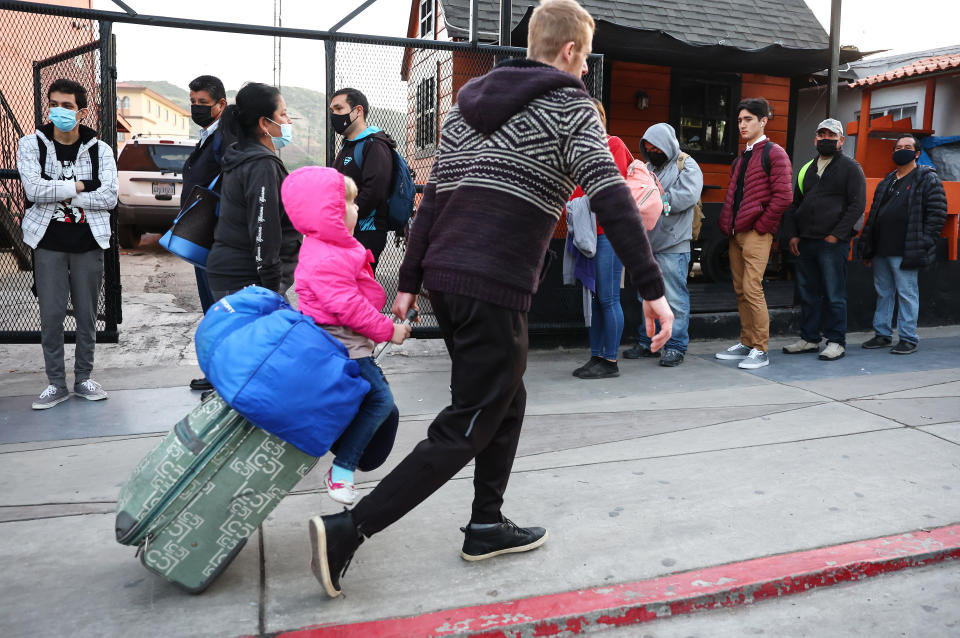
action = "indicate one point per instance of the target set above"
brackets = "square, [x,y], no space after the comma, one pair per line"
[161,188]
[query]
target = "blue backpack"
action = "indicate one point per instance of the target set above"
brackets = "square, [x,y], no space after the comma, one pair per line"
[402,189]
[280,370]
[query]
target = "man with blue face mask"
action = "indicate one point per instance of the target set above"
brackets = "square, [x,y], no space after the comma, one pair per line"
[70,181]
[366,157]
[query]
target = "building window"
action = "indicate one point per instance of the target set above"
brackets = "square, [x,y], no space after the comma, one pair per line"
[426,18]
[898,111]
[702,110]
[426,113]
[125,102]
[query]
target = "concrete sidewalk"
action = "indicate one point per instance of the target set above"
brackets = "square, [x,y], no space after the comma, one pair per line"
[655,472]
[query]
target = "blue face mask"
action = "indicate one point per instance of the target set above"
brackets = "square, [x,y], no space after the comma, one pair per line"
[286,135]
[63,119]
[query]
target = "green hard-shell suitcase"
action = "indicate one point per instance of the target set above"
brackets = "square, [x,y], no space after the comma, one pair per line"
[194,500]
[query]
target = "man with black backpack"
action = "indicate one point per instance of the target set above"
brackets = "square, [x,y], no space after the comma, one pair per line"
[367,157]
[70,181]
[208,100]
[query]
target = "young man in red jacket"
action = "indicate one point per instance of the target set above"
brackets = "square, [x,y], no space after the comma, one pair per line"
[758,194]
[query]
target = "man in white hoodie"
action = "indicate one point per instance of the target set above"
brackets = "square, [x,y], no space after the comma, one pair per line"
[682,182]
[70,181]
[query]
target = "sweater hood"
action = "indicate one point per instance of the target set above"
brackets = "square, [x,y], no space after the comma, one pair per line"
[315,201]
[664,137]
[489,101]
[373,131]
[86,133]
[240,153]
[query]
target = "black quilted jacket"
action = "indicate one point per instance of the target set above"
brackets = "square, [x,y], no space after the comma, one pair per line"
[927,213]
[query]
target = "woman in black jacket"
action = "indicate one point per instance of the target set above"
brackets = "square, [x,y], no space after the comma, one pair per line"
[254,242]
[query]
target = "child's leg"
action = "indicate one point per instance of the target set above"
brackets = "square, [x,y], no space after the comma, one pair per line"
[373,412]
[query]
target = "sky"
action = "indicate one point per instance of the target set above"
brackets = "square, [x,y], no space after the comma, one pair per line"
[178,55]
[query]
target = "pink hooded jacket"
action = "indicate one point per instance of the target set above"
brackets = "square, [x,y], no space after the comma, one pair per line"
[334,279]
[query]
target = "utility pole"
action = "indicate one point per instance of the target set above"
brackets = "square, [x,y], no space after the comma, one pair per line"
[277,42]
[834,56]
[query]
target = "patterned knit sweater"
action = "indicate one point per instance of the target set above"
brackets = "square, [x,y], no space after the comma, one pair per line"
[511,152]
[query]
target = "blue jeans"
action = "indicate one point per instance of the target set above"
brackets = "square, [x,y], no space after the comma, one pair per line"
[374,410]
[675,267]
[892,283]
[822,283]
[606,326]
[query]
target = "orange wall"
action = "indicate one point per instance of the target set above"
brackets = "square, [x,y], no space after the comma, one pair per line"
[626,122]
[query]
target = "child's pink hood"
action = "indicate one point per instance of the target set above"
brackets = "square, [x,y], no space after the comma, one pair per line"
[314,199]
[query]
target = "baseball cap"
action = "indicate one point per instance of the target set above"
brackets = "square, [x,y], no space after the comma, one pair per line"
[831,125]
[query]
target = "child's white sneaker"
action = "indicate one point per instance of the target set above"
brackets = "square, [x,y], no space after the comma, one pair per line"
[344,492]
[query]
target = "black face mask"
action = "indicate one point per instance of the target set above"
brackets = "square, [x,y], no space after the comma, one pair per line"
[657,158]
[904,156]
[341,122]
[827,147]
[201,115]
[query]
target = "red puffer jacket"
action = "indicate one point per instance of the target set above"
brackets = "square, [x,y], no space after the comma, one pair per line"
[765,197]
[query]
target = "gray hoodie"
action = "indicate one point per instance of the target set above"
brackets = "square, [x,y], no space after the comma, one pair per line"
[673,232]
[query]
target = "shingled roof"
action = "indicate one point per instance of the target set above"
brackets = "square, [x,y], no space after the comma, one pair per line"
[745,24]
[927,66]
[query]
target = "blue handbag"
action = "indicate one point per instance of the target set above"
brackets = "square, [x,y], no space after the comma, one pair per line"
[280,370]
[191,236]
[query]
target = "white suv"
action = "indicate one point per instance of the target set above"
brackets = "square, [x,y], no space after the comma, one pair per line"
[150,171]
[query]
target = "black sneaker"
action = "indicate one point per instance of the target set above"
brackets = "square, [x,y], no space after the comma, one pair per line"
[602,369]
[904,347]
[505,538]
[201,384]
[638,351]
[877,342]
[671,358]
[333,540]
[593,360]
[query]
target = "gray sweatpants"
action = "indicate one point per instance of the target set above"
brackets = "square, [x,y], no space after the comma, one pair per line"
[61,275]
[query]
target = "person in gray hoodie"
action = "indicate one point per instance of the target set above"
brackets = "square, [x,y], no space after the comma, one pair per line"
[670,238]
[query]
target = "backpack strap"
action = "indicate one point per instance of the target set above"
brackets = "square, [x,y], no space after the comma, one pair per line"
[358,152]
[803,174]
[95,159]
[765,157]
[42,150]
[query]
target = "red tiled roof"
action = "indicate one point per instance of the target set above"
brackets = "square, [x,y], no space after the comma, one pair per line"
[925,66]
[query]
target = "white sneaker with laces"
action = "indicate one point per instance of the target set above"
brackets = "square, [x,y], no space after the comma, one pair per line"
[90,390]
[734,353]
[801,346]
[345,493]
[756,359]
[51,396]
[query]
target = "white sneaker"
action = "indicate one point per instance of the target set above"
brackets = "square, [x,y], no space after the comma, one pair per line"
[345,493]
[51,396]
[756,359]
[801,346]
[832,352]
[90,390]
[734,353]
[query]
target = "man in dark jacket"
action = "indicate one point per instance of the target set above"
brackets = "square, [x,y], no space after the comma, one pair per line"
[758,193]
[372,173]
[513,147]
[208,99]
[828,199]
[900,237]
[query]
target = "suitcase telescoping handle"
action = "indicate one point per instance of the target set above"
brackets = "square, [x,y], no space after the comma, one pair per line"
[410,318]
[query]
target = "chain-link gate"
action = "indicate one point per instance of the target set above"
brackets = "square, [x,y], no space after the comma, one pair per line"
[410,89]
[49,47]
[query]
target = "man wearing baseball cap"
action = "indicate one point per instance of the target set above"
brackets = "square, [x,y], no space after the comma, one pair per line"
[829,197]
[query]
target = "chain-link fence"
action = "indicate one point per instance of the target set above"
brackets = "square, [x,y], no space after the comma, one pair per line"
[410,89]
[46,48]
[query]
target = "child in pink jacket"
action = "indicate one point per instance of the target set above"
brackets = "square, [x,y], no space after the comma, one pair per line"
[336,287]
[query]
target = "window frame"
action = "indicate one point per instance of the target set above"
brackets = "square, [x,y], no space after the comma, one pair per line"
[679,80]
[426,128]
[426,22]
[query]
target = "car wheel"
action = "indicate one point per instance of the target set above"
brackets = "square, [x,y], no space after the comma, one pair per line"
[715,260]
[128,236]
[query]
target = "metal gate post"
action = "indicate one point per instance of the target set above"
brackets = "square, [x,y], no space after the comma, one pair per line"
[330,47]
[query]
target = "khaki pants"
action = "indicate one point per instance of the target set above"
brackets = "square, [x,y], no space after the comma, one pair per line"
[749,253]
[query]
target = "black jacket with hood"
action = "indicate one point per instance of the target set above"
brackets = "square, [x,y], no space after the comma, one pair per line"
[372,176]
[926,215]
[830,204]
[254,242]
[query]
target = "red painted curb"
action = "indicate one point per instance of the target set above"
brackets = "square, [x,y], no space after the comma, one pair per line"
[575,612]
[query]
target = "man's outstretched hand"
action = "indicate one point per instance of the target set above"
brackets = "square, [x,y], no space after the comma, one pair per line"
[656,310]
[402,304]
